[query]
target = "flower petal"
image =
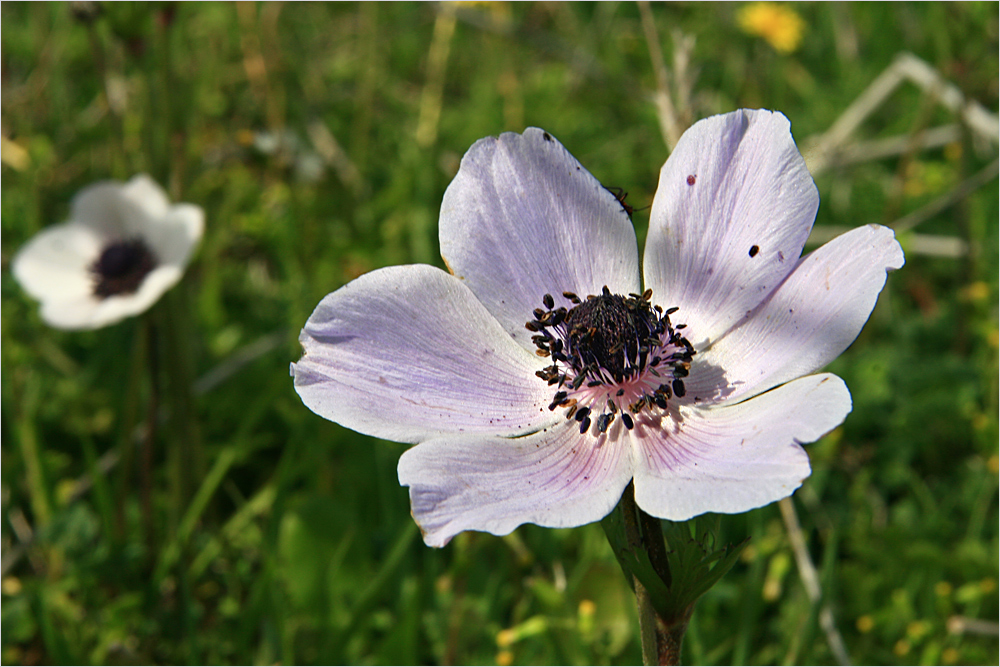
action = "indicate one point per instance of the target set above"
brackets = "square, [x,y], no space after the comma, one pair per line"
[732,211]
[100,207]
[55,263]
[89,312]
[146,194]
[555,478]
[174,236]
[812,317]
[407,353]
[734,458]
[523,218]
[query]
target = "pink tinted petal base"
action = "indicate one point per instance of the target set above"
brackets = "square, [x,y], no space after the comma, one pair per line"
[523,218]
[812,317]
[733,209]
[407,353]
[735,458]
[555,478]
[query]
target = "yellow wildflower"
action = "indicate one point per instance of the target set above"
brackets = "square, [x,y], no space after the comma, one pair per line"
[777,23]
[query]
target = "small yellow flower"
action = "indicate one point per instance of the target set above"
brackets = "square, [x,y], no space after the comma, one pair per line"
[865,623]
[776,23]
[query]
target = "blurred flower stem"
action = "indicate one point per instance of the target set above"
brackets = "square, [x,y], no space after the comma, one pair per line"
[186,462]
[146,480]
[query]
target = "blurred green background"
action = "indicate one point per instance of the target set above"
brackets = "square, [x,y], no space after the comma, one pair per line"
[319,139]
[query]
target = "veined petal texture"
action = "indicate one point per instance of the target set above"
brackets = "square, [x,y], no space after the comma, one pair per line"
[553,478]
[738,457]
[732,212]
[523,218]
[408,353]
[813,316]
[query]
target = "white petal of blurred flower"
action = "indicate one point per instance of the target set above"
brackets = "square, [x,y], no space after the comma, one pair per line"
[122,248]
[538,377]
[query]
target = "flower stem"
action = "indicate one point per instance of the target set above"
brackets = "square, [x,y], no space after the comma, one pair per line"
[149,438]
[661,637]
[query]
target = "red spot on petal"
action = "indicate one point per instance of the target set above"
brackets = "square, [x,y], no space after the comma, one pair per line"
[691,179]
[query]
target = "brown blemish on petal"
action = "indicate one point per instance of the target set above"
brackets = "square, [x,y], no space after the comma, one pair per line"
[450,270]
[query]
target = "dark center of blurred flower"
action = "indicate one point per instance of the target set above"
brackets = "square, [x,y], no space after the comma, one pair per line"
[612,355]
[121,268]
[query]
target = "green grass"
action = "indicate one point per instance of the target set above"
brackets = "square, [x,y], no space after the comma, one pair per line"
[275,536]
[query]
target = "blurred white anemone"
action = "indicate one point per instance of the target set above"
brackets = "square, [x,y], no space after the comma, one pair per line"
[122,248]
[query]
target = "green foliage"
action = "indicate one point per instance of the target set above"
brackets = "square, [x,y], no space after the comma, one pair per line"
[265,534]
[675,574]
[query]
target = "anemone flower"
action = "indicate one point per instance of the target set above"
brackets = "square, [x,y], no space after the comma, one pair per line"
[543,374]
[123,247]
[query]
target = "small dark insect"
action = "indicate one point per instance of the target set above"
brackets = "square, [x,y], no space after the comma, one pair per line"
[547,136]
[754,250]
[620,195]
[691,179]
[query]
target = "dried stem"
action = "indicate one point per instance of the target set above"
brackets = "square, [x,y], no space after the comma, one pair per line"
[810,580]
[433,92]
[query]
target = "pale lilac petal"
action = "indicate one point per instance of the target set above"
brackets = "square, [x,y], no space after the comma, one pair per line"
[408,353]
[735,186]
[555,478]
[738,457]
[812,317]
[523,218]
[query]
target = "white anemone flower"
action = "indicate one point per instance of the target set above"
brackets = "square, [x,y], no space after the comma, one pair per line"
[122,248]
[545,372]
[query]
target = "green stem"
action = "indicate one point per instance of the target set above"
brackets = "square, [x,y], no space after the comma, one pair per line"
[130,419]
[27,437]
[661,638]
[149,438]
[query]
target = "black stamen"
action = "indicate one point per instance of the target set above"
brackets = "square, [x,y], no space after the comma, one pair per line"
[606,341]
[679,388]
[574,299]
[122,268]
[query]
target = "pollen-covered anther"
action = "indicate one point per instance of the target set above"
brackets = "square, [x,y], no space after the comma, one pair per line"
[613,356]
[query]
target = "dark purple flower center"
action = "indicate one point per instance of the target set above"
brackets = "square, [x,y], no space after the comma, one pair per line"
[121,268]
[611,355]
